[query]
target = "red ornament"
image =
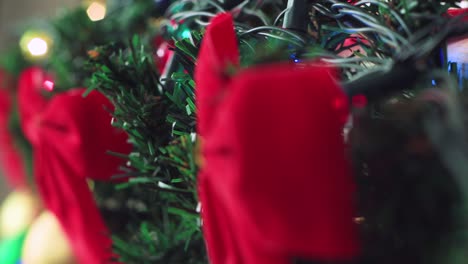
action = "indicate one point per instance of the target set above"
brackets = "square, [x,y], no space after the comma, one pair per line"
[70,135]
[352,45]
[355,39]
[11,163]
[276,183]
[454,12]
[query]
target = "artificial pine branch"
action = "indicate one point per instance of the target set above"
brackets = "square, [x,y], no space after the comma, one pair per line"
[160,126]
[153,216]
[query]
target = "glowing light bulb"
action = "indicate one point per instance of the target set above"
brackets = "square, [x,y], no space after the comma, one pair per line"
[37,47]
[36,44]
[49,85]
[160,52]
[186,34]
[96,11]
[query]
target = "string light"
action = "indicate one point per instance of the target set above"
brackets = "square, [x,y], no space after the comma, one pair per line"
[161,52]
[96,11]
[35,44]
[49,85]
[37,47]
[186,34]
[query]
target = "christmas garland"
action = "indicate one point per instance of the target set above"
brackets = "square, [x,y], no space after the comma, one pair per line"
[231,119]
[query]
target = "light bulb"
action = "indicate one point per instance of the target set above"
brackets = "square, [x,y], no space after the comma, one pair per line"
[37,47]
[36,44]
[96,11]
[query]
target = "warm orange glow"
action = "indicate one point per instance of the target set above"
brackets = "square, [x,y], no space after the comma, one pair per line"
[96,11]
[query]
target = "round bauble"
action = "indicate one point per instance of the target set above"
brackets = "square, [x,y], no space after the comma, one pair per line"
[17,212]
[46,243]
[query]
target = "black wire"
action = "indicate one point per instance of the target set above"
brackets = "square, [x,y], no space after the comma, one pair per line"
[296,16]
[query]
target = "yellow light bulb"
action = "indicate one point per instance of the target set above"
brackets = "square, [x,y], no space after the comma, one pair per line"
[96,11]
[37,47]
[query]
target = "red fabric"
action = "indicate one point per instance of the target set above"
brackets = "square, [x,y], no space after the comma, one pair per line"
[31,99]
[11,163]
[212,65]
[70,135]
[276,183]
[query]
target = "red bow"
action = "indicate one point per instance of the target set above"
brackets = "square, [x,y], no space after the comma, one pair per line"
[11,163]
[276,183]
[70,135]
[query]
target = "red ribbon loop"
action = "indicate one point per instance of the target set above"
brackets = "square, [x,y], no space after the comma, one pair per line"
[71,135]
[212,65]
[11,163]
[276,183]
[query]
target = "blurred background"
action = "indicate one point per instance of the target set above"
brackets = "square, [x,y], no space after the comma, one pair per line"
[14,13]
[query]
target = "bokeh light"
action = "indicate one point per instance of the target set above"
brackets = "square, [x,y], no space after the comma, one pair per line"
[35,44]
[96,11]
[37,47]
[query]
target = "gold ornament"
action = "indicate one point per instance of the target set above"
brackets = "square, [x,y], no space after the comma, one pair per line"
[46,243]
[17,212]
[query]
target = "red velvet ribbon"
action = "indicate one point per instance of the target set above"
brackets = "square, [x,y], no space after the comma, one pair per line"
[11,163]
[276,183]
[70,135]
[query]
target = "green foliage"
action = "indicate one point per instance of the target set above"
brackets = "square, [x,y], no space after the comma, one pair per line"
[161,127]
[13,61]
[74,34]
[412,203]
[409,190]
